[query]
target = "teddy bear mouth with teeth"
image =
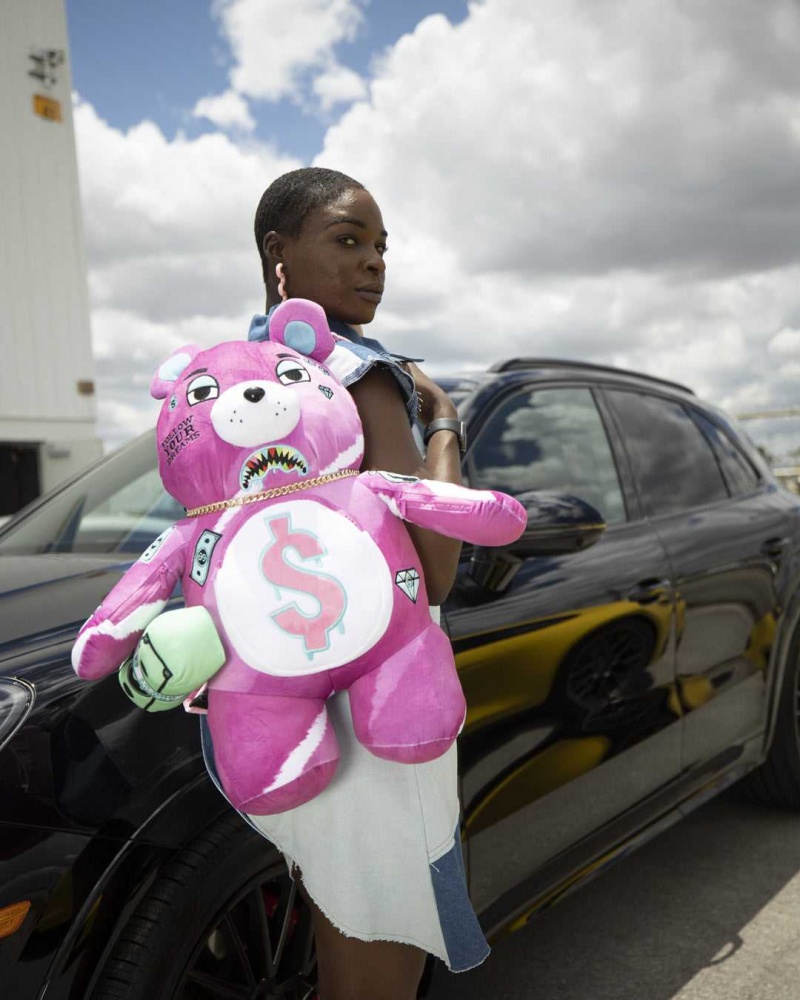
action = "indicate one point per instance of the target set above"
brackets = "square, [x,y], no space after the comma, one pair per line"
[269,459]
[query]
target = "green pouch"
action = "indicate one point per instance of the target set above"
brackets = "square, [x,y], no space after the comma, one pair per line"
[178,652]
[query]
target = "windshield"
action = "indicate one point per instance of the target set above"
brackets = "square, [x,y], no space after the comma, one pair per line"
[116,507]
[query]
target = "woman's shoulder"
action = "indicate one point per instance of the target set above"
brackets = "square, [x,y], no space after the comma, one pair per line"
[352,360]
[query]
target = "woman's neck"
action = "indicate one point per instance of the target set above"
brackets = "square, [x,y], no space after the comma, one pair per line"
[349,330]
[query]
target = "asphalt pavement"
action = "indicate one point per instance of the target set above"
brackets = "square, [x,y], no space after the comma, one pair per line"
[710,910]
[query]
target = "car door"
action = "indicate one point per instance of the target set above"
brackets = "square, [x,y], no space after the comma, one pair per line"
[725,546]
[567,660]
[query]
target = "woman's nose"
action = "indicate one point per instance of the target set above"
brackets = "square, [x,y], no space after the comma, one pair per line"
[254,394]
[376,263]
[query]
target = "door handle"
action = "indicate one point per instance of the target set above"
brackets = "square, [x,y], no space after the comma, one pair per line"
[773,547]
[648,591]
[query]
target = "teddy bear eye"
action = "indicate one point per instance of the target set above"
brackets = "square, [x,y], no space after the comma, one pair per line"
[291,371]
[202,388]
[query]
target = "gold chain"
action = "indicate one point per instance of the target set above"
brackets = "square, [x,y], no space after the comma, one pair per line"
[278,491]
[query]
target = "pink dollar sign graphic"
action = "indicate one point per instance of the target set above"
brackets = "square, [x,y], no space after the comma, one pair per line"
[327,591]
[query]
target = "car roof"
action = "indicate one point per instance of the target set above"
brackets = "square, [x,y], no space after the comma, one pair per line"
[548,369]
[587,367]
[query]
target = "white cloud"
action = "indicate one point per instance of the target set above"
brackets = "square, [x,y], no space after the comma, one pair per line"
[597,136]
[229,111]
[785,343]
[338,85]
[145,195]
[171,253]
[277,44]
[618,182]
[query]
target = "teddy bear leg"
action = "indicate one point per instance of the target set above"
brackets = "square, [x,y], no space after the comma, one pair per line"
[272,753]
[410,708]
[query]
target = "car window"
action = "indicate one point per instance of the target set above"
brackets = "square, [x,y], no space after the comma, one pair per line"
[548,439]
[119,507]
[736,467]
[674,465]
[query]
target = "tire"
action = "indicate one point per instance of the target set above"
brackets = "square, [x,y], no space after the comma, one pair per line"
[222,920]
[777,781]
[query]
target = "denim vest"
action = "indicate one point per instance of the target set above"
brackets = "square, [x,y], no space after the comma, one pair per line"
[365,354]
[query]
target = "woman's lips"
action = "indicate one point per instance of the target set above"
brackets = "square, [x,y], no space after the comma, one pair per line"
[370,294]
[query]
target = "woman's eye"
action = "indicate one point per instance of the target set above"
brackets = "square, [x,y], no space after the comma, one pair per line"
[202,388]
[289,372]
[349,241]
[382,249]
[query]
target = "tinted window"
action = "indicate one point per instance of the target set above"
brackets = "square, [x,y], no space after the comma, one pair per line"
[674,465]
[739,473]
[548,439]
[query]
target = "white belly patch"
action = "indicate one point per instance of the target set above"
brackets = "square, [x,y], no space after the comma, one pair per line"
[302,589]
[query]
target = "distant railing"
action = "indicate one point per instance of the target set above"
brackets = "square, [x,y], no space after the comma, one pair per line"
[788,476]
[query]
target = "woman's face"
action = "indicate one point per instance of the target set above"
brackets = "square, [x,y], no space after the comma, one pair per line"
[337,260]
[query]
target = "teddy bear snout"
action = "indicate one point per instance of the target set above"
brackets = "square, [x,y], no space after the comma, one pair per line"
[275,414]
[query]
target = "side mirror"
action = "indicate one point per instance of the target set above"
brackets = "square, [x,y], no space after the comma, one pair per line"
[558,524]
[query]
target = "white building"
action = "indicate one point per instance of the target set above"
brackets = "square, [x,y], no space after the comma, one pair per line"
[47,407]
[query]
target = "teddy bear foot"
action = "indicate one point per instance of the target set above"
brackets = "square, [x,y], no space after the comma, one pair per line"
[426,710]
[272,753]
[292,795]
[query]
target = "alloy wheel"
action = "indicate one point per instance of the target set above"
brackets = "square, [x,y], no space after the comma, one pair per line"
[260,947]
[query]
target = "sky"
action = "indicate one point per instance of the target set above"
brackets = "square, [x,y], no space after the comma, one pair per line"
[609,180]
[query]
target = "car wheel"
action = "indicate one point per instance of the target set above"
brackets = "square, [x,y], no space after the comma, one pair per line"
[777,781]
[223,919]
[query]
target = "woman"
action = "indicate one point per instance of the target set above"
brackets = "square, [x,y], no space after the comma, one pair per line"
[377,851]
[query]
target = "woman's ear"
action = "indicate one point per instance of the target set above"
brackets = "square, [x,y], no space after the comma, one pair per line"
[273,246]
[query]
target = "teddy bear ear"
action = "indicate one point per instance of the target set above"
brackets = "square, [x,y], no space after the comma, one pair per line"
[302,325]
[170,371]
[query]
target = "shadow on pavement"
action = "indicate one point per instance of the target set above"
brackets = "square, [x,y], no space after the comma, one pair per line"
[643,929]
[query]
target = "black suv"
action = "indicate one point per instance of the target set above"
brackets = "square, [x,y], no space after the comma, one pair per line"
[619,670]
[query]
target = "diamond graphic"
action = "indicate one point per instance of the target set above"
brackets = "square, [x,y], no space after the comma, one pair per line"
[325,390]
[408,581]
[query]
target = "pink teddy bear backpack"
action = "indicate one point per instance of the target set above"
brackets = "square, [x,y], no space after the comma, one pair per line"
[304,565]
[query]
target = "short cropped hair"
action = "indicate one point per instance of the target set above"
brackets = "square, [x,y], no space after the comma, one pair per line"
[288,200]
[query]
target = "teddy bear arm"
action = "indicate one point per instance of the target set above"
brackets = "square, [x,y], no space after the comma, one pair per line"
[483,517]
[110,635]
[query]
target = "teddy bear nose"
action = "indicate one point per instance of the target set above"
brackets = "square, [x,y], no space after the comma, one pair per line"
[254,394]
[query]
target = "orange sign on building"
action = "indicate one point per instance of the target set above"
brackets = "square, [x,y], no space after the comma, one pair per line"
[47,107]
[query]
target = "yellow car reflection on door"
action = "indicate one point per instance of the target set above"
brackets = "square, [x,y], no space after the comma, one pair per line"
[511,675]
